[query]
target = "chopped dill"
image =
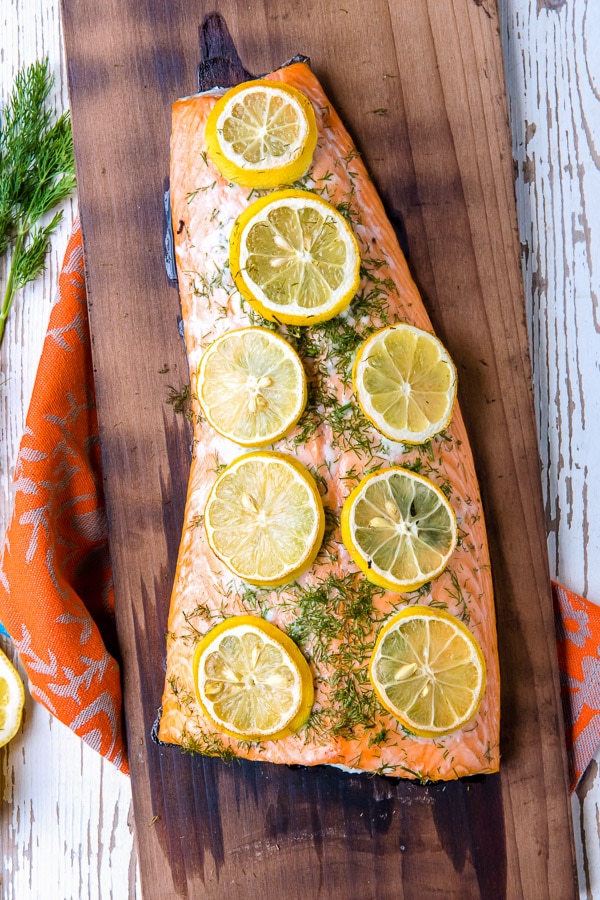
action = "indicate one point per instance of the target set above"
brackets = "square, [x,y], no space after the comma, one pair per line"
[180,400]
[422,779]
[255,193]
[328,551]
[335,624]
[353,700]
[378,738]
[446,488]
[459,598]
[207,745]
[183,697]
[488,753]
[346,210]
[316,727]
[218,465]
[204,286]
[418,595]
[413,466]
[353,153]
[438,604]
[191,195]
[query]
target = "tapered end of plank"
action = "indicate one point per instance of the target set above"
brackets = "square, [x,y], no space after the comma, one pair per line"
[220,64]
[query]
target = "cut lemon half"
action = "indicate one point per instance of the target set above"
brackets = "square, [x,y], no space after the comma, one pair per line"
[251,386]
[264,518]
[12,700]
[262,134]
[399,529]
[405,383]
[251,680]
[294,257]
[428,671]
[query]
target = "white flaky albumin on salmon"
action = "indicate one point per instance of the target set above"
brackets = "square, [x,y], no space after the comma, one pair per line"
[332,612]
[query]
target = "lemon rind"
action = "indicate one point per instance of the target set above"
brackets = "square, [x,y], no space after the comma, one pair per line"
[14,709]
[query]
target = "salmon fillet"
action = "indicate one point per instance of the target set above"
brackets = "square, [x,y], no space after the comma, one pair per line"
[332,612]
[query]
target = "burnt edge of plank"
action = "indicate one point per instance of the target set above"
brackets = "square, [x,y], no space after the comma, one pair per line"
[220,63]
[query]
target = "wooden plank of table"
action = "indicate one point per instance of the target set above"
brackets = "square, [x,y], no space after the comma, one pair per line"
[553,74]
[441,158]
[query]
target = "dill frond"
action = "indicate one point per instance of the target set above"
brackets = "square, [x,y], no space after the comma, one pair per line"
[37,173]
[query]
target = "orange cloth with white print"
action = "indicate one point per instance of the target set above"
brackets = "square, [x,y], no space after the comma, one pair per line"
[56,595]
[578,644]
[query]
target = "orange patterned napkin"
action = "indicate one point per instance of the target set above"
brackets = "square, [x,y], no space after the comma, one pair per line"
[578,643]
[56,595]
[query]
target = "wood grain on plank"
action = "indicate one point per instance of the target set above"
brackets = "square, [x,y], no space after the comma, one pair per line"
[444,164]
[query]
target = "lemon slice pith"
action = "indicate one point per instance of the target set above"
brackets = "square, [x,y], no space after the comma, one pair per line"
[264,518]
[399,528]
[294,258]
[251,680]
[262,134]
[428,671]
[251,386]
[12,700]
[405,383]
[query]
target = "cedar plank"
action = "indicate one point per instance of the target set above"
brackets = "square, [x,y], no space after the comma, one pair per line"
[440,156]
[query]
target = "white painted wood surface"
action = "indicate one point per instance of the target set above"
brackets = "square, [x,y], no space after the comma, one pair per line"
[552,65]
[66,827]
[66,822]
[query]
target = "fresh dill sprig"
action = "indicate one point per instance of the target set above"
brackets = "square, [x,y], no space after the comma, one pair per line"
[37,172]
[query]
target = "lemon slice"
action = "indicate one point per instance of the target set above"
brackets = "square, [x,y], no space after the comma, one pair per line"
[251,386]
[294,257]
[12,700]
[405,383]
[399,529]
[428,671]
[262,134]
[251,680]
[264,518]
